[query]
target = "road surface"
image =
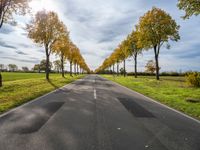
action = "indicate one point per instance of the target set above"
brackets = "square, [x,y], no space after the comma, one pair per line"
[96,114]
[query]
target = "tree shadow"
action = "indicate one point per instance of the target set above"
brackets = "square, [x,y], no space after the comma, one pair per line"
[50,82]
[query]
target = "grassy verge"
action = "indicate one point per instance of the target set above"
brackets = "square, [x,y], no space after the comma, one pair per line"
[19,88]
[172,91]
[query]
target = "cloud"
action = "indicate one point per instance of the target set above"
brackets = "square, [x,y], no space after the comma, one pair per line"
[20,52]
[7,29]
[3,44]
[34,58]
[40,50]
[85,52]
[21,60]
[25,45]
[24,34]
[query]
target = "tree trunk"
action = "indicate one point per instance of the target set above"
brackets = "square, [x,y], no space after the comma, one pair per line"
[113,69]
[70,68]
[62,66]
[135,58]
[157,63]
[117,69]
[39,69]
[47,62]
[124,67]
[75,68]
[1,82]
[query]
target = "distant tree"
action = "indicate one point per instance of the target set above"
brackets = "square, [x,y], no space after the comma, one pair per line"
[37,68]
[1,67]
[71,55]
[25,69]
[124,53]
[45,29]
[117,58]
[155,28]
[134,49]
[61,47]
[12,67]
[151,67]
[57,65]
[76,60]
[122,71]
[43,65]
[191,7]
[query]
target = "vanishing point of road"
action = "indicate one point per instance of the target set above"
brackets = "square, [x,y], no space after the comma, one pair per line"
[96,114]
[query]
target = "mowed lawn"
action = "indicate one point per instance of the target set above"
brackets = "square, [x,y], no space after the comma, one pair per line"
[19,88]
[172,91]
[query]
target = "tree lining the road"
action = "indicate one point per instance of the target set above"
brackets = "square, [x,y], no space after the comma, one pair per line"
[44,29]
[154,29]
[134,48]
[48,31]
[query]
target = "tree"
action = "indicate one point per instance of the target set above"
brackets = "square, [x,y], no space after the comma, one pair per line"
[150,67]
[57,65]
[134,48]
[25,69]
[155,28]
[43,66]
[45,29]
[1,67]
[71,54]
[124,53]
[61,46]
[117,58]
[7,9]
[122,71]
[12,67]
[191,7]
[37,68]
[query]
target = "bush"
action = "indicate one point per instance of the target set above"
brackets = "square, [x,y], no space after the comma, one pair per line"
[193,78]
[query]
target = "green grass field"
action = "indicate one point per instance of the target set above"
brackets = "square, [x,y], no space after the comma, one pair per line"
[172,91]
[9,76]
[19,88]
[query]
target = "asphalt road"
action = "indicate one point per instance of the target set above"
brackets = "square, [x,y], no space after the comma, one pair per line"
[97,114]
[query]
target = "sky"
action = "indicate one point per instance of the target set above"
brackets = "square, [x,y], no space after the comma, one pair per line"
[97,27]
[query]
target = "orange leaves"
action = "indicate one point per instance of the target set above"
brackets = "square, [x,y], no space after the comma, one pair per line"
[44,28]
